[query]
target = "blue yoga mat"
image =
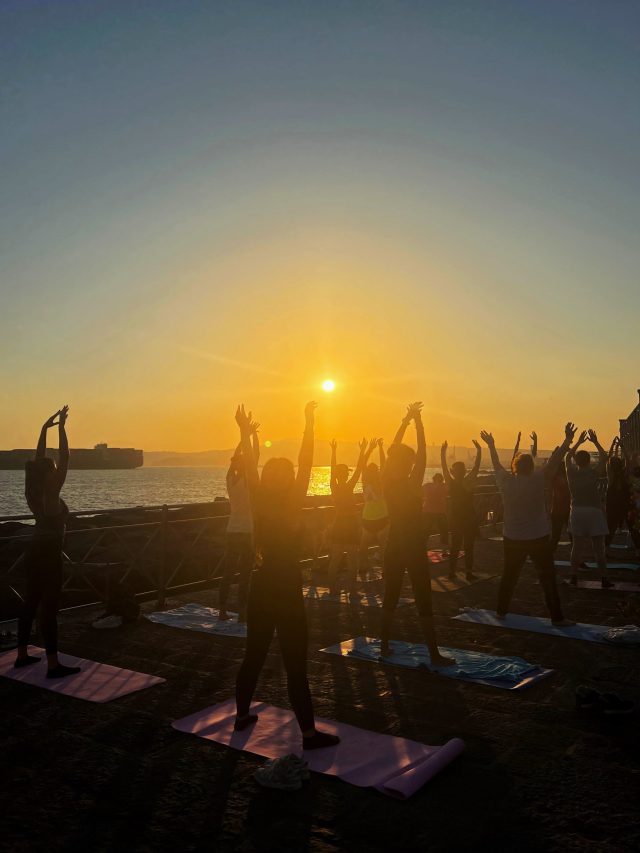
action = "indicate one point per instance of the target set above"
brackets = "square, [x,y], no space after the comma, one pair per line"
[362,599]
[632,567]
[197,617]
[581,631]
[508,673]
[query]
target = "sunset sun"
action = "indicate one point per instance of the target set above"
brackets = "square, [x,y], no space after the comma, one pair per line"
[328,385]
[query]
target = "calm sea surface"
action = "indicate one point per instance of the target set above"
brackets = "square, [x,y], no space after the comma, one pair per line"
[88,490]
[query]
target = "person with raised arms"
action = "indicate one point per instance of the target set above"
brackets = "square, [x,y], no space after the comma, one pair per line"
[375,514]
[239,553]
[464,521]
[526,523]
[345,530]
[43,483]
[587,521]
[407,542]
[275,596]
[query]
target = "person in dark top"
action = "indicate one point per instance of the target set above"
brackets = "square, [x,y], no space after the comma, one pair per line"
[560,505]
[464,522]
[345,531]
[275,595]
[407,543]
[618,490]
[43,483]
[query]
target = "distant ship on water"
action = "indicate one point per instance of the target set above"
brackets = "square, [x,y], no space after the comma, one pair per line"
[100,458]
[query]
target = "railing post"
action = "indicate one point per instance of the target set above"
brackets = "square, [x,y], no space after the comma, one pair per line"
[164,557]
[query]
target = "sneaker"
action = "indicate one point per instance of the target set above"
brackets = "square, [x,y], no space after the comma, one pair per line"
[112,621]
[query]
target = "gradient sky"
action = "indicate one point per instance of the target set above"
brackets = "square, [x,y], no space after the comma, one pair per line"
[207,202]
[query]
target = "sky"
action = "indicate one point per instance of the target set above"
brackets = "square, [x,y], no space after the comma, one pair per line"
[206,203]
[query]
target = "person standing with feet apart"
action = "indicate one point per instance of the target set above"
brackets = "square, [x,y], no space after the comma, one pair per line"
[275,595]
[43,483]
[526,523]
[239,553]
[464,522]
[407,543]
[587,521]
[345,531]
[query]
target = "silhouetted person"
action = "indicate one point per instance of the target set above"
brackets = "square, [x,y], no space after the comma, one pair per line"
[464,522]
[345,530]
[618,490]
[587,520]
[434,508]
[275,595]
[239,554]
[534,446]
[526,524]
[560,505]
[375,513]
[407,544]
[43,483]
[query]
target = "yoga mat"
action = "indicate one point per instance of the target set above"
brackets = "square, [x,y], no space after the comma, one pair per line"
[508,673]
[393,765]
[442,583]
[363,599]
[617,587]
[436,556]
[96,682]
[632,567]
[513,621]
[197,617]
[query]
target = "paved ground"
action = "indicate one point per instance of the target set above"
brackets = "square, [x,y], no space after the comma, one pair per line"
[536,775]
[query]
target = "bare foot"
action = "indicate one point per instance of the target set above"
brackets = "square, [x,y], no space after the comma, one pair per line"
[223,616]
[385,651]
[501,616]
[441,660]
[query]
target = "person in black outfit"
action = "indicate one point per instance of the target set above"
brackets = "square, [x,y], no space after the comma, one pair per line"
[275,596]
[407,543]
[43,482]
[464,522]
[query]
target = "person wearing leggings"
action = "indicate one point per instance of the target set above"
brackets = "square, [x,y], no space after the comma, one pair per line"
[43,483]
[464,522]
[618,491]
[275,595]
[407,543]
[239,552]
[526,524]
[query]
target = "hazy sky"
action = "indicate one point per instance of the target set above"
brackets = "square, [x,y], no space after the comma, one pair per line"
[207,202]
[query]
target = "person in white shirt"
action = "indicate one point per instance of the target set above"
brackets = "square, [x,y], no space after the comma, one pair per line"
[526,523]
[239,555]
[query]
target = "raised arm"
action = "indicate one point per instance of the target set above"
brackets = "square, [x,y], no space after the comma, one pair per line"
[534,444]
[564,451]
[405,422]
[476,465]
[381,455]
[420,465]
[63,447]
[353,480]
[489,440]
[255,442]
[516,449]
[305,457]
[231,471]
[334,462]
[41,447]
[243,419]
[443,461]
[602,453]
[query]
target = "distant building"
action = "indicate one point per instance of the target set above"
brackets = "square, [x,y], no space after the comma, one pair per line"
[630,430]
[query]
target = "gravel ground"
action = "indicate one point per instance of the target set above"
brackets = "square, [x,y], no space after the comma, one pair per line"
[536,774]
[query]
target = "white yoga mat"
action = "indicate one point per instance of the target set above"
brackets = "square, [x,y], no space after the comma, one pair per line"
[197,617]
[537,624]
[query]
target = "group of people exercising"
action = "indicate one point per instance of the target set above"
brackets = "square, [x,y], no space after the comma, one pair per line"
[265,529]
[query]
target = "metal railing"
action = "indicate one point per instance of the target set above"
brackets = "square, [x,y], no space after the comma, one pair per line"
[180,546]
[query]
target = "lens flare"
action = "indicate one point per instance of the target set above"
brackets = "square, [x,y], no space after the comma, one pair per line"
[328,385]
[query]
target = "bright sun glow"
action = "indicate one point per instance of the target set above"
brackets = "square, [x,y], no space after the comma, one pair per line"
[328,385]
